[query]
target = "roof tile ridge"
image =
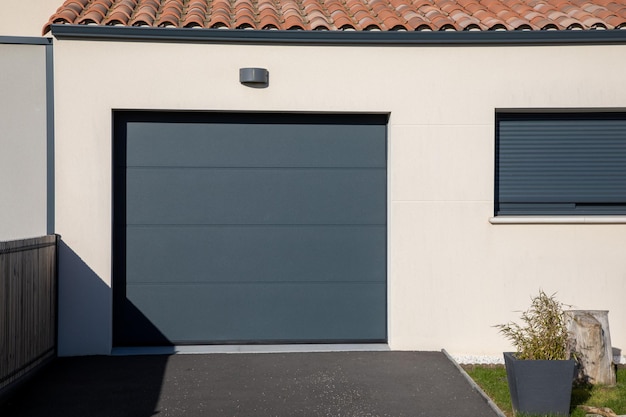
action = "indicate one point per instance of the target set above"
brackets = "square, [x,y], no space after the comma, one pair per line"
[544,4]
[593,8]
[359,10]
[133,13]
[292,14]
[95,12]
[146,9]
[348,14]
[466,20]
[448,6]
[516,19]
[169,13]
[183,13]
[221,14]
[195,14]
[269,15]
[336,14]
[416,18]
[84,11]
[269,19]
[263,5]
[523,9]
[493,21]
[424,8]
[392,20]
[417,4]
[461,15]
[438,14]
[617,7]
[543,7]
[246,13]
[587,19]
[620,9]
[318,18]
[364,15]
[117,10]
[554,13]
[187,18]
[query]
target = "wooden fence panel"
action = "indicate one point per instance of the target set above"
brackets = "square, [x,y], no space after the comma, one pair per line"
[28,307]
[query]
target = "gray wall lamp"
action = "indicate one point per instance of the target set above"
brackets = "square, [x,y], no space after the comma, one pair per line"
[254,77]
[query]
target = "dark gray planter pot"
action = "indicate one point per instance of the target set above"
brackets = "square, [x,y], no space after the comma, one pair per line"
[539,386]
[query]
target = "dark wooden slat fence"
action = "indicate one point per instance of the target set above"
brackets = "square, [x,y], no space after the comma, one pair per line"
[28,308]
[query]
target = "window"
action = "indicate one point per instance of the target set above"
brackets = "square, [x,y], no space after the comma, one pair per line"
[560,164]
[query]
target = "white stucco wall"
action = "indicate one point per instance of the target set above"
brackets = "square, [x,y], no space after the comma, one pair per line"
[23,142]
[26,17]
[452,274]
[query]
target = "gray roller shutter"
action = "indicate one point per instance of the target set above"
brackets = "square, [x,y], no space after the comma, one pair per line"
[561,164]
[250,228]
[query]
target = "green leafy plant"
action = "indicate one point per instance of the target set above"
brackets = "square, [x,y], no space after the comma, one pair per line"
[543,334]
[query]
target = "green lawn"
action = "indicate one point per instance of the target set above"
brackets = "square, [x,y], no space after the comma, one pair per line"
[492,379]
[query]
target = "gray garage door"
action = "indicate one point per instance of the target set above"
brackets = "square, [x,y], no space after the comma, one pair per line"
[249,228]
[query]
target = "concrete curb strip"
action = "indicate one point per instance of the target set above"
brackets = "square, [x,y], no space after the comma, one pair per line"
[474,385]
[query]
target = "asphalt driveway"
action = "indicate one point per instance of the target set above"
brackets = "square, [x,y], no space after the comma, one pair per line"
[333,384]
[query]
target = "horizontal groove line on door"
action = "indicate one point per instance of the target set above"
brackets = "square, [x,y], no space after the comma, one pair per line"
[205,283]
[169,167]
[201,225]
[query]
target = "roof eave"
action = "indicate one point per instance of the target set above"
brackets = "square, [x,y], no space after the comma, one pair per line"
[355,38]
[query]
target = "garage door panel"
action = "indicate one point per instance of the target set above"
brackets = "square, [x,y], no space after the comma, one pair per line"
[271,254]
[255,145]
[255,196]
[249,228]
[264,312]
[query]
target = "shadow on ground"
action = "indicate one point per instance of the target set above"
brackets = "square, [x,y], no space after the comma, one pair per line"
[94,386]
[392,384]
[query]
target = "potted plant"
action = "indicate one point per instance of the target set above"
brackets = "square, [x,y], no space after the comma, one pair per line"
[540,373]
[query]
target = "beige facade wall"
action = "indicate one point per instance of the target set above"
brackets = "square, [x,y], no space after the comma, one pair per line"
[26,17]
[452,274]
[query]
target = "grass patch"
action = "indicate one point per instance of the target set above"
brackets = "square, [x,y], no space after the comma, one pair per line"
[492,379]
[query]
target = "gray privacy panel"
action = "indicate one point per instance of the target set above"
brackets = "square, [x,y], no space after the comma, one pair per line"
[254,232]
[254,254]
[255,196]
[264,311]
[255,145]
[25,166]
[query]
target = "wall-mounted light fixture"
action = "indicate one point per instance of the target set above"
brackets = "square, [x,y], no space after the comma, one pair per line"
[254,77]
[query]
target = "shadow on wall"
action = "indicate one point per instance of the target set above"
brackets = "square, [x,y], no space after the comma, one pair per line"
[84,307]
[92,386]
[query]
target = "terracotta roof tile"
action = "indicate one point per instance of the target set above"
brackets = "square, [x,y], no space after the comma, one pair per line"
[218,22]
[193,20]
[388,15]
[125,10]
[64,16]
[269,21]
[90,17]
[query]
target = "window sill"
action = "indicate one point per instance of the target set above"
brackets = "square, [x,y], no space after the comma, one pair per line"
[558,220]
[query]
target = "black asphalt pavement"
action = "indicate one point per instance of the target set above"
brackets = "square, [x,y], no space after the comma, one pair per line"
[351,384]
